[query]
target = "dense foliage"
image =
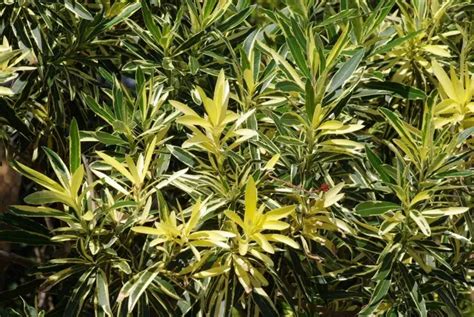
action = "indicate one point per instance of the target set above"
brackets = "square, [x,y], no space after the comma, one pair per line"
[238,158]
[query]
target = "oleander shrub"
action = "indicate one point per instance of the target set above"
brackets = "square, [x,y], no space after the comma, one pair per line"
[238,158]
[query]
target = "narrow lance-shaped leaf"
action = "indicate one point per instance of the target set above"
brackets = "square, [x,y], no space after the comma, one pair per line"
[74,147]
[103,292]
[373,208]
[346,71]
[250,200]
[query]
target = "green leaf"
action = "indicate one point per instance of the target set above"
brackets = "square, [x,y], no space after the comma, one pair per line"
[414,291]
[61,275]
[103,292]
[373,208]
[109,139]
[377,164]
[377,16]
[74,147]
[37,177]
[166,288]
[399,90]
[39,211]
[396,42]
[101,112]
[149,22]
[235,19]
[135,287]
[346,71]
[343,15]
[310,102]
[336,50]
[399,126]
[292,73]
[381,289]
[78,9]
[13,120]
[264,303]
[48,197]
[23,236]
[81,292]
[386,261]
[298,54]
[59,168]
[123,15]
[182,155]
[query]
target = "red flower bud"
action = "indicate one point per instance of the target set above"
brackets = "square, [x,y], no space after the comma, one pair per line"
[324,187]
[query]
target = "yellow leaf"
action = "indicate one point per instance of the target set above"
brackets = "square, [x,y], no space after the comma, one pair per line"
[470,106]
[279,213]
[421,222]
[38,178]
[246,132]
[149,154]
[183,108]
[445,107]
[458,87]
[283,239]
[217,235]
[76,180]
[230,116]
[450,211]
[198,140]
[263,242]
[317,116]
[440,50]
[4,91]
[332,196]
[157,241]
[250,201]
[345,129]
[275,225]
[218,270]
[193,120]
[243,277]
[88,216]
[116,164]
[234,217]
[111,182]
[331,125]
[443,80]
[195,251]
[243,247]
[420,197]
[209,244]
[193,220]
[344,143]
[148,230]
[259,276]
[248,78]
[338,47]
[343,226]
[133,169]
[262,257]
[272,162]
[387,226]
[168,229]
[221,95]
[419,260]
[212,109]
